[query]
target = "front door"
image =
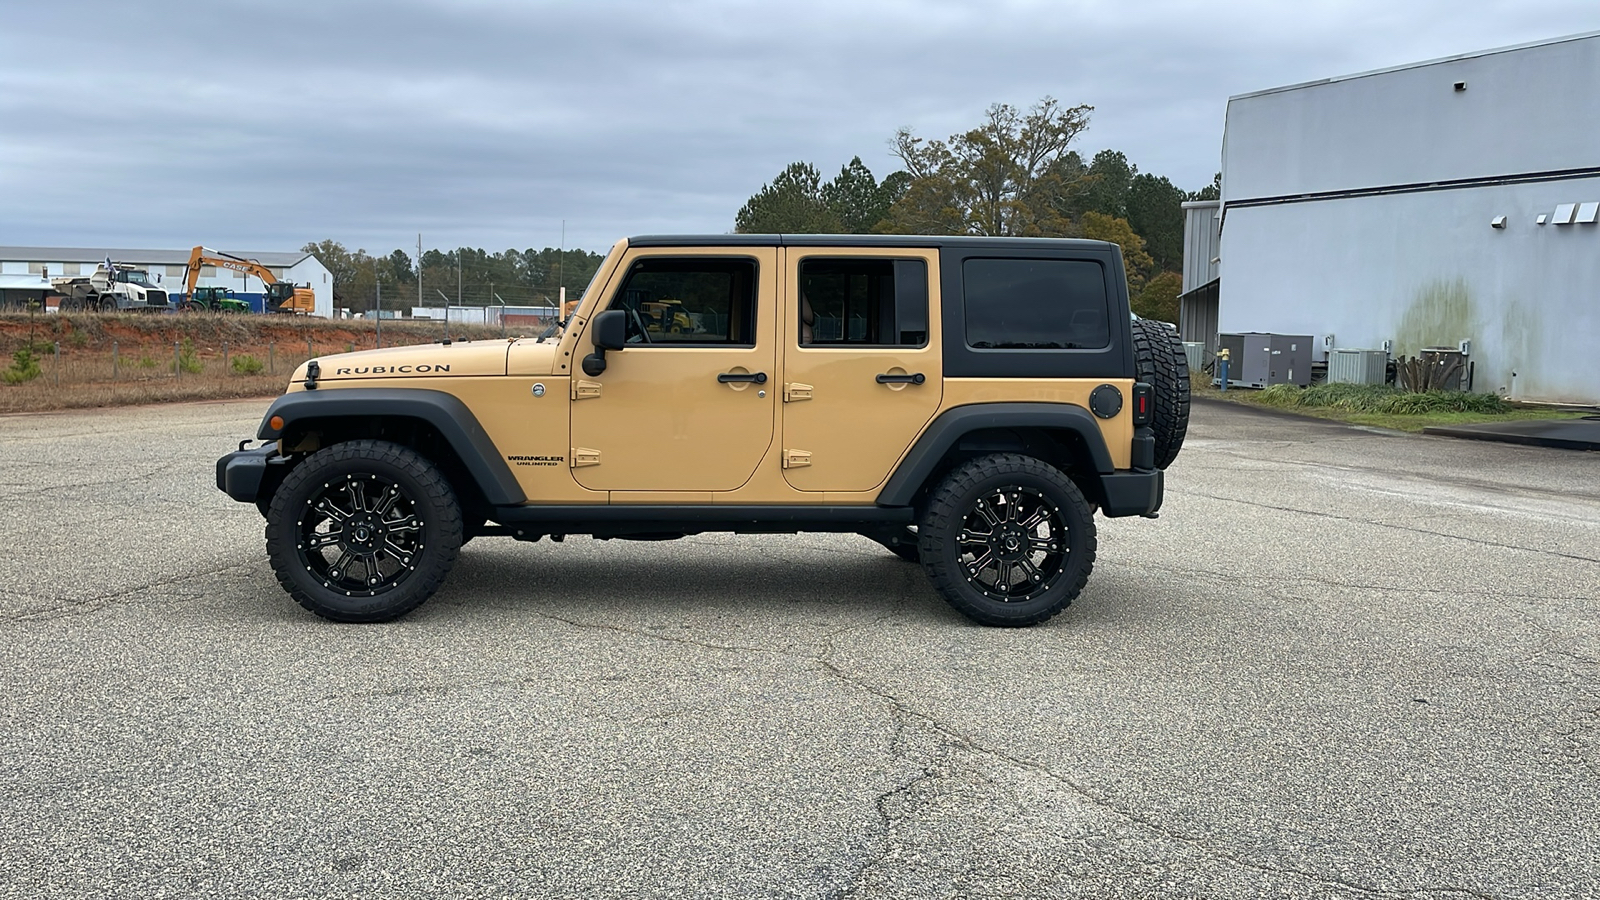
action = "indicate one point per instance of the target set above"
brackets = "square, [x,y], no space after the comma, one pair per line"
[689,404]
[861,362]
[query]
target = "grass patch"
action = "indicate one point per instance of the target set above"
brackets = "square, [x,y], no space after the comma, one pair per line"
[1376,398]
[1382,406]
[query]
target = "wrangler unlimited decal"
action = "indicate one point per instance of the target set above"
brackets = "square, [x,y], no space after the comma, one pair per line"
[536,460]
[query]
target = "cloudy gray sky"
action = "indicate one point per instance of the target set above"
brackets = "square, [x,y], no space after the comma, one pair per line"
[487,122]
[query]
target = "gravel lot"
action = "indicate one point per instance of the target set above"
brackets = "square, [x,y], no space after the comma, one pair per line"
[1343,663]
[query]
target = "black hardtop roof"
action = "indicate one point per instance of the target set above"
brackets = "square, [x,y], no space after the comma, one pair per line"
[962,242]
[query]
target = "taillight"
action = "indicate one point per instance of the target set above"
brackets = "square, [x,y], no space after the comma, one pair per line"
[1143,396]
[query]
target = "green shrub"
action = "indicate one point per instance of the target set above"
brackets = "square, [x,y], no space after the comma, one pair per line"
[245,364]
[24,367]
[146,362]
[1379,398]
[188,362]
[77,340]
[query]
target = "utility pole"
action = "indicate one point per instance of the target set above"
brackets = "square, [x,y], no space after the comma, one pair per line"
[419,269]
[561,257]
[378,280]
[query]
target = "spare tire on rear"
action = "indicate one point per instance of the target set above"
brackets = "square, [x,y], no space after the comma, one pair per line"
[1158,355]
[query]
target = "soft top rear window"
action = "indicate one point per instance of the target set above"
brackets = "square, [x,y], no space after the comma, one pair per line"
[1035,304]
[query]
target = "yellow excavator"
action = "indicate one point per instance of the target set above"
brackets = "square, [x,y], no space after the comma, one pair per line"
[281,296]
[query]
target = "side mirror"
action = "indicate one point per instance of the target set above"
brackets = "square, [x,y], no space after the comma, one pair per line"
[610,331]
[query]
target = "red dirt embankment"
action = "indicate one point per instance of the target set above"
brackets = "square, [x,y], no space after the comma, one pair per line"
[115,359]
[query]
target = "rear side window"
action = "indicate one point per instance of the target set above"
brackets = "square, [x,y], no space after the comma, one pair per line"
[1043,304]
[868,302]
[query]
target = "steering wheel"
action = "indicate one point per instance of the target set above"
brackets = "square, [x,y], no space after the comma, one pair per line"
[633,317]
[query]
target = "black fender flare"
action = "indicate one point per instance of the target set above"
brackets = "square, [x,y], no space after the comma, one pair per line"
[447,414]
[953,424]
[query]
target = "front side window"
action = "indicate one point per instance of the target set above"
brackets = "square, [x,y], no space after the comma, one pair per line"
[1039,304]
[679,301]
[864,302]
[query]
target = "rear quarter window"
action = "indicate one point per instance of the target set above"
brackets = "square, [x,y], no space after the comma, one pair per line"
[1038,304]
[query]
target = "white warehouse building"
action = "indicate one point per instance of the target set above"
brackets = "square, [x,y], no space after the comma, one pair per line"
[1427,205]
[25,272]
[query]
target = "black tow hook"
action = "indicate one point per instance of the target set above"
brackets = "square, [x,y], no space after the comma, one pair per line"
[313,372]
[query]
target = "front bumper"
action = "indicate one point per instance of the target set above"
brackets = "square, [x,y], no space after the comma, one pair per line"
[241,473]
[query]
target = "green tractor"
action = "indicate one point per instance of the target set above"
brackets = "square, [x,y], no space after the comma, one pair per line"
[214,299]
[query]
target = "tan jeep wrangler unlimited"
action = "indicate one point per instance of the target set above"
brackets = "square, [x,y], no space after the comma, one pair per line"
[969,403]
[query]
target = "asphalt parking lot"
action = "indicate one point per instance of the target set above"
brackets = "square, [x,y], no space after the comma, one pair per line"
[1342,663]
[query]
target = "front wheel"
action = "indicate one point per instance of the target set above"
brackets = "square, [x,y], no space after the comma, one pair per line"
[363,531]
[1008,540]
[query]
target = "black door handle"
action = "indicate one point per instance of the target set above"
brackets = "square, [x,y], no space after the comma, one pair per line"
[751,377]
[918,378]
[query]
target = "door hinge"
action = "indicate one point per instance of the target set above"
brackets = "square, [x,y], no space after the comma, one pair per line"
[796,391]
[585,390]
[796,459]
[583,456]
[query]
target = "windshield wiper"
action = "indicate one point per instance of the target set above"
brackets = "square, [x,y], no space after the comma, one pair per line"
[554,327]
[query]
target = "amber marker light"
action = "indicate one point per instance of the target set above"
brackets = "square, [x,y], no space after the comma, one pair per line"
[275,423]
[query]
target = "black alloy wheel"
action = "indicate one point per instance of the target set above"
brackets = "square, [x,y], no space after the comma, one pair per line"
[363,531]
[1008,540]
[360,534]
[1013,544]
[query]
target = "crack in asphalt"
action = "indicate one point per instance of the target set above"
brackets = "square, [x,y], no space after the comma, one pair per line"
[101,602]
[1294,578]
[888,816]
[1327,515]
[949,737]
[74,485]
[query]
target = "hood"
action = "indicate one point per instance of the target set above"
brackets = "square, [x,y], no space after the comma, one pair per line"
[418,361]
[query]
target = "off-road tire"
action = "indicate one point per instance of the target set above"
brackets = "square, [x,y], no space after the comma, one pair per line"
[907,548]
[1161,363]
[424,495]
[1062,560]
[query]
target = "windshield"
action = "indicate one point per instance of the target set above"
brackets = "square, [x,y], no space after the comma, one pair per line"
[133,277]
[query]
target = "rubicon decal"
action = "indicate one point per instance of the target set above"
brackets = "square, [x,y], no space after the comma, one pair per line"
[536,460]
[423,369]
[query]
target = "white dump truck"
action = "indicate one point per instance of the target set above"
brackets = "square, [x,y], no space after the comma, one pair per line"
[113,286]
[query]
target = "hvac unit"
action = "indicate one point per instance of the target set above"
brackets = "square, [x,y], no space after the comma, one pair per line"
[1357,366]
[1258,359]
[1195,352]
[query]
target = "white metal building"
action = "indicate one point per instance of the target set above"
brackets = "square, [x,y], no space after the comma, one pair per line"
[25,271]
[1426,205]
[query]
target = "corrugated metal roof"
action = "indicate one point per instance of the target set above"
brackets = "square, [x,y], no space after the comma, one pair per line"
[148,257]
[23,283]
[1417,65]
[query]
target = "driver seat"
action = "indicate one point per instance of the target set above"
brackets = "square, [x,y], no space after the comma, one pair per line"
[807,318]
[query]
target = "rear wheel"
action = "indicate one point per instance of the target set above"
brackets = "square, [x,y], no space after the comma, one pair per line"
[1008,540]
[363,531]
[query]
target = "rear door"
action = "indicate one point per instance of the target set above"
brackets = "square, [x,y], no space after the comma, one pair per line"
[861,362]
